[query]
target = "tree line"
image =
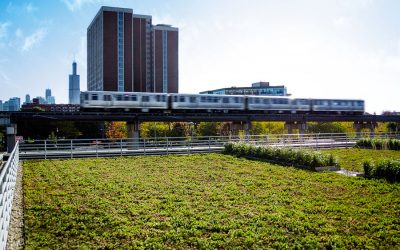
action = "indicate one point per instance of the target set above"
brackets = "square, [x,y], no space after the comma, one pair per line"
[80,130]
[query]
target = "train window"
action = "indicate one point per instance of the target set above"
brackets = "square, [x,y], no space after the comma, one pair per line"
[118,97]
[266,101]
[216,99]
[145,98]
[133,98]
[280,101]
[107,98]
[126,98]
[175,99]
[181,99]
[163,98]
[192,99]
[158,98]
[256,100]
[203,99]
[302,102]
[86,96]
[236,99]
[95,97]
[225,100]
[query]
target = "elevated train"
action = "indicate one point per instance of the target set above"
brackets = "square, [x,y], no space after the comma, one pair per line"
[162,102]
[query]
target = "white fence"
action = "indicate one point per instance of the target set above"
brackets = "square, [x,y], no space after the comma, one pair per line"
[79,148]
[8,177]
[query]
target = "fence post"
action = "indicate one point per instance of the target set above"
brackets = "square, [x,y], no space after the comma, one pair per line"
[45,149]
[167,146]
[120,146]
[144,146]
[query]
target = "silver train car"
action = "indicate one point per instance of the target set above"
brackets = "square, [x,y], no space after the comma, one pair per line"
[162,102]
[207,102]
[124,100]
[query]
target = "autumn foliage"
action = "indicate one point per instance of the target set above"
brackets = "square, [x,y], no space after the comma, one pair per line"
[116,130]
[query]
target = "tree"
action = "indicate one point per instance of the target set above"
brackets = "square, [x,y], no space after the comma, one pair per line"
[274,128]
[116,130]
[329,127]
[207,129]
[179,129]
[393,127]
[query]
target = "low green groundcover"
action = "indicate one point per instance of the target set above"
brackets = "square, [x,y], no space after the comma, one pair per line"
[203,201]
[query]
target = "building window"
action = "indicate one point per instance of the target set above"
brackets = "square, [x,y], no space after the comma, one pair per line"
[120,51]
[164,61]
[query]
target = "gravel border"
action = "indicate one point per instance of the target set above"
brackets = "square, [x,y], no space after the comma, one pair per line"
[16,237]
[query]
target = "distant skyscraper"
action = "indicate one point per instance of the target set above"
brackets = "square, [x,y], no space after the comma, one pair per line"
[127,53]
[1,105]
[13,104]
[40,100]
[74,86]
[27,99]
[48,93]
[49,98]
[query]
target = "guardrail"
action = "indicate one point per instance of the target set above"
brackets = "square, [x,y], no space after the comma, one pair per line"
[8,177]
[80,148]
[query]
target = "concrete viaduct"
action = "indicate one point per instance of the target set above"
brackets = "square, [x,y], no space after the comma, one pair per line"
[239,120]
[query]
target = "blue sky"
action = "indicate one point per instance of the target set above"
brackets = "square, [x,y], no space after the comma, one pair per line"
[316,48]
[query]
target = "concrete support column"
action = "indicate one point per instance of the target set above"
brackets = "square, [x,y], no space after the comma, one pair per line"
[133,129]
[247,127]
[358,126]
[11,132]
[236,127]
[301,126]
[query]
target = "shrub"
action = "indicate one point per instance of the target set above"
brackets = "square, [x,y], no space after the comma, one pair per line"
[389,144]
[385,169]
[285,156]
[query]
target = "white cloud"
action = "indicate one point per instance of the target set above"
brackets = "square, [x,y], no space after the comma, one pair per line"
[73,5]
[19,33]
[341,21]
[3,29]
[30,8]
[33,39]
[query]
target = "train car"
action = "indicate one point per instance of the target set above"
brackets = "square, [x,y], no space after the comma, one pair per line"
[124,100]
[154,102]
[211,103]
[337,106]
[301,105]
[268,104]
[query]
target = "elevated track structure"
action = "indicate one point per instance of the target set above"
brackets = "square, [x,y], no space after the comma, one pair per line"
[240,121]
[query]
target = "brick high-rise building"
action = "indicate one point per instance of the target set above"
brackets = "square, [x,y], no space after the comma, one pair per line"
[165,58]
[123,53]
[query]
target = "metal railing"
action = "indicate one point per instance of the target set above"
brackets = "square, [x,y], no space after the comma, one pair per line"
[8,177]
[80,148]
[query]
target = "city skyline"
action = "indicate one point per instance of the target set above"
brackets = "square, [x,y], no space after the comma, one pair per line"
[335,49]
